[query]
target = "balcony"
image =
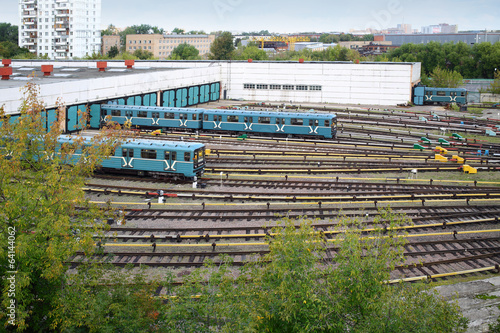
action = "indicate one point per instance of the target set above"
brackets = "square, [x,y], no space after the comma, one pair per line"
[29,2]
[61,1]
[62,42]
[61,7]
[29,41]
[31,28]
[62,12]
[61,27]
[29,22]
[61,22]
[29,13]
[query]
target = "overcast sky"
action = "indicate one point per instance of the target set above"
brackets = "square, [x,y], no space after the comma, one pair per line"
[289,15]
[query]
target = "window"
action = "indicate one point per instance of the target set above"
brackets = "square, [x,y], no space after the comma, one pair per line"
[280,121]
[248,86]
[288,87]
[183,116]
[156,115]
[205,117]
[248,119]
[116,113]
[297,121]
[275,86]
[264,120]
[170,155]
[129,113]
[129,151]
[232,119]
[313,122]
[327,122]
[169,115]
[314,87]
[262,86]
[301,87]
[195,116]
[142,114]
[187,156]
[441,93]
[148,153]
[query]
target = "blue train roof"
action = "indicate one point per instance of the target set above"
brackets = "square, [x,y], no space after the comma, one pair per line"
[272,114]
[142,143]
[149,108]
[445,89]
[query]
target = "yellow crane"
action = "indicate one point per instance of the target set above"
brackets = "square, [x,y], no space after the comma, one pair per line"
[289,40]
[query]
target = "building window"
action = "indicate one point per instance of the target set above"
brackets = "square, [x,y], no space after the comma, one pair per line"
[288,87]
[314,87]
[301,87]
[248,86]
[262,86]
[148,153]
[275,86]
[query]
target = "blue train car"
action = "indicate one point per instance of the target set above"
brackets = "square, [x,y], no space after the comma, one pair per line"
[152,116]
[423,95]
[155,158]
[284,123]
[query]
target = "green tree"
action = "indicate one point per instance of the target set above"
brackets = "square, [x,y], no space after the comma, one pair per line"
[143,54]
[9,33]
[250,52]
[495,85]
[442,78]
[222,47]
[113,51]
[178,31]
[185,52]
[110,30]
[40,197]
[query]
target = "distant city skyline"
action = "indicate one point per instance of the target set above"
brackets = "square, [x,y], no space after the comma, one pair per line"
[290,16]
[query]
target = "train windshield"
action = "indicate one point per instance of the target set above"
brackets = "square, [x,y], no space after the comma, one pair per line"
[199,156]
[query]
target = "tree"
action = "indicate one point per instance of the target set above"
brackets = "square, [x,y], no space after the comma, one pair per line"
[110,30]
[250,52]
[495,85]
[222,47]
[442,78]
[178,31]
[143,54]
[293,288]
[40,199]
[185,52]
[9,33]
[113,51]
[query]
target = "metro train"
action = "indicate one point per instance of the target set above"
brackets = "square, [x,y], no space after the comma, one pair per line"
[156,158]
[306,124]
[423,95]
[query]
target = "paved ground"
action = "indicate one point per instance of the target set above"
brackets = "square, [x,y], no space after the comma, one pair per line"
[479,301]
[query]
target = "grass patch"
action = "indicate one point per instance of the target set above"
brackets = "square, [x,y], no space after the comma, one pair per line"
[485,297]
[477,111]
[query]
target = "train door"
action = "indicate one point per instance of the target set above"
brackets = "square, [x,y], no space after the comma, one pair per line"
[280,125]
[156,117]
[313,126]
[183,117]
[170,160]
[217,118]
[248,123]
[128,157]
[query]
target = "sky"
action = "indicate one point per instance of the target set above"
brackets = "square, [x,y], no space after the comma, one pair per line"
[289,16]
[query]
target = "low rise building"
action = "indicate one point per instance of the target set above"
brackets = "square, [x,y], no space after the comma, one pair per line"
[108,42]
[162,45]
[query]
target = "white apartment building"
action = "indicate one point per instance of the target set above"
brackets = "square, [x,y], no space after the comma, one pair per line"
[61,29]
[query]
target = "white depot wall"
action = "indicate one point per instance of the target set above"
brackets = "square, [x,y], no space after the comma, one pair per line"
[343,83]
[93,89]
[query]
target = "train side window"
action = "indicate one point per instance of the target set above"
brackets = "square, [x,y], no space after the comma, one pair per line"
[297,121]
[183,116]
[313,122]
[462,94]
[327,122]
[142,114]
[129,113]
[280,121]
[195,116]
[169,115]
[441,93]
[248,119]
[232,119]
[187,156]
[156,115]
[124,152]
[148,153]
[130,152]
[264,120]
[116,113]
[219,118]
[205,117]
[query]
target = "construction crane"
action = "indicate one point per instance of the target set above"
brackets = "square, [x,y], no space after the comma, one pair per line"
[289,40]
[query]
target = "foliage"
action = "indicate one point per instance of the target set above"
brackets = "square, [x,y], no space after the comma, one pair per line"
[442,78]
[143,54]
[250,52]
[120,301]
[10,50]
[178,31]
[222,47]
[40,193]
[292,290]
[110,30]
[477,61]
[9,33]
[113,51]
[495,85]
[185,51]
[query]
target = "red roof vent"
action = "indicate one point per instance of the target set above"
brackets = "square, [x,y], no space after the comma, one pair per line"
[102,65]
